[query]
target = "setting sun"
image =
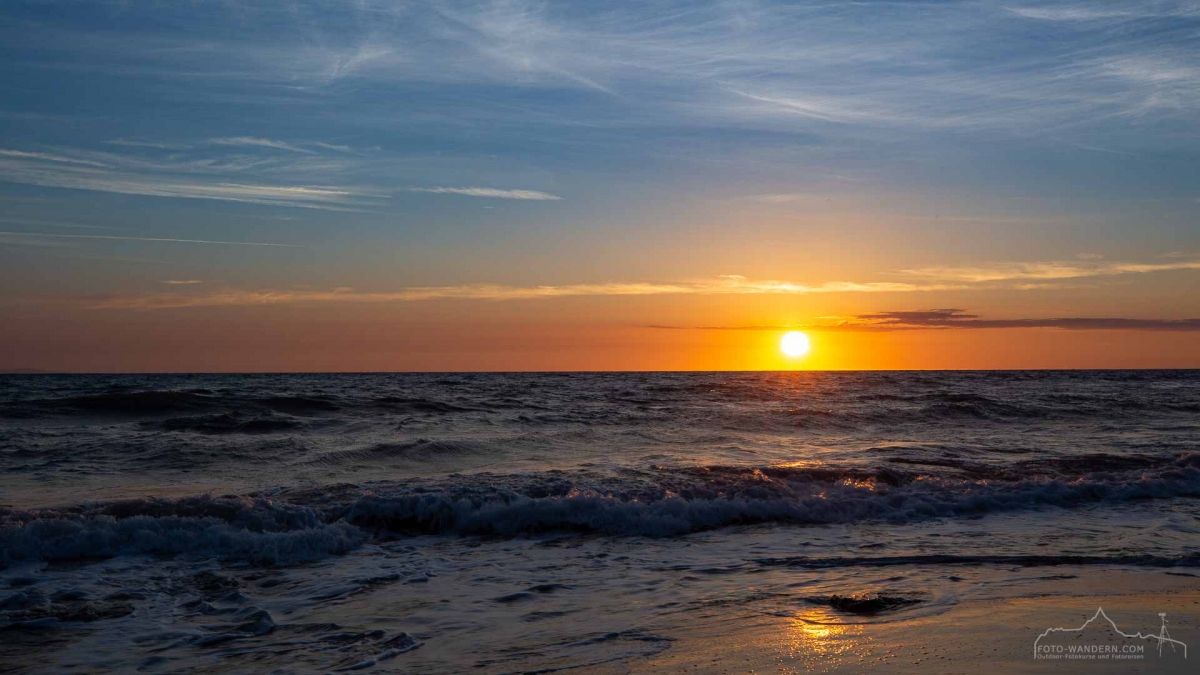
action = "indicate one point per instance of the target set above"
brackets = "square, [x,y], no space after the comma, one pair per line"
[794,344]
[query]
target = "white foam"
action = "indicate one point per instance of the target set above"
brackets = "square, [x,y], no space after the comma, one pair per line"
[104,536]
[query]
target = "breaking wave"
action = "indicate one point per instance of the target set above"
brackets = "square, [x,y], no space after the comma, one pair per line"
[255,531]
[660,503]
[750,498]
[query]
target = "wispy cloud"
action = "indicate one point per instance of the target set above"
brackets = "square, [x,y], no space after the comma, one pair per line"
[824,108]
[42,156]
[789,67]
[1045,270]
[1077,13]
[334,146]
[183,282]
[1012,276]
[1100,11]
[725,285]
[944,319]
[957,318]
[532,195]
[50,223]
[49,235]
[250,141]
[180,180]
[129,143]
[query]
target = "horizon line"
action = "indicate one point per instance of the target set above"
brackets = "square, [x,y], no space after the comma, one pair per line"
[37,372]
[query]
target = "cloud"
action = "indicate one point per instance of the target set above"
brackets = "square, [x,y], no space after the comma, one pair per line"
[249,141]
[943,319]
[51,223]
[532,195]
[957,318]
[182,282]
[724,285]
[788,67]
[1099,11]
[48,158]
[41,235]
[187,181]
[124,142]
[1013,276]
[1044,270]
[333,146]
[1081,13]
[825,108]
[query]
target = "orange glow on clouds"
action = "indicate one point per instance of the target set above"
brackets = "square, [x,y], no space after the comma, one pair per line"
[543,336]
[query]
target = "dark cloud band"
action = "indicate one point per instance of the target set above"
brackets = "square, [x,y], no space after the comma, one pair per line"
[939,319]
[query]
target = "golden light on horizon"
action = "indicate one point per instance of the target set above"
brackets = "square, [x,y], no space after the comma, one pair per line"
[795,344]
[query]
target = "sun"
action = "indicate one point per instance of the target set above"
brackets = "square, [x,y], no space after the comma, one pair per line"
[794,344]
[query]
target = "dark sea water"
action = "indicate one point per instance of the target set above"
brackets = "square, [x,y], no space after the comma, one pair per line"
[512,522]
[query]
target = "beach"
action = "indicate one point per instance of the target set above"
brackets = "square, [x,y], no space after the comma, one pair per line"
[996,633]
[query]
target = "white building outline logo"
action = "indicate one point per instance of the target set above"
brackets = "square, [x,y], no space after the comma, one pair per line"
[1163,637]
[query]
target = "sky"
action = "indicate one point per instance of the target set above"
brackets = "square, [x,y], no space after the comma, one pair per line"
[369,185]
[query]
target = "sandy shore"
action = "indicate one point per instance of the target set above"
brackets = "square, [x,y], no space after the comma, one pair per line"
[997,634]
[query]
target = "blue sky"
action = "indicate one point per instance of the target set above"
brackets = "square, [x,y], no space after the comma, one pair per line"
[378,147]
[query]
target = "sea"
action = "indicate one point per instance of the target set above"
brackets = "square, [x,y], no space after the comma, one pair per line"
[545,522]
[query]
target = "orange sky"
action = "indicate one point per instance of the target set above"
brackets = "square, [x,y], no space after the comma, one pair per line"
[529,335]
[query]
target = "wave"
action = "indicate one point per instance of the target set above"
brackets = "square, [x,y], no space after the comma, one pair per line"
[420,450]
[423,405]
[318,521]
[155,402]
[763,401]
[163,401]
[255,531]
[228,423]
[151,402]
[295,405]
[707,507]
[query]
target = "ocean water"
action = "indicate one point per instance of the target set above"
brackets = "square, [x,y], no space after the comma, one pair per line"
[531,522]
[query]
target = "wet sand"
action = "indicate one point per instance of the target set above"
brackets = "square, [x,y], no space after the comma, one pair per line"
[988,635]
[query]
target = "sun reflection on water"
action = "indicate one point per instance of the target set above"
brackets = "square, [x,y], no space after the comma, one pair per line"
[821,642]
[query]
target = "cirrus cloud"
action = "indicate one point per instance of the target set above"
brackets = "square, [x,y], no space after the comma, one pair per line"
[494,193]
[250,141]
[724,285]
[1046,270]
